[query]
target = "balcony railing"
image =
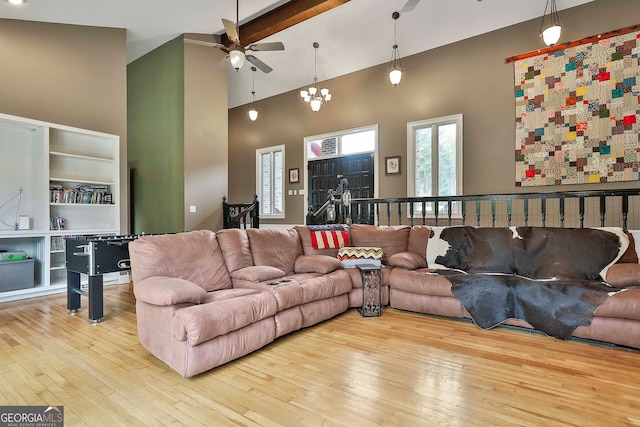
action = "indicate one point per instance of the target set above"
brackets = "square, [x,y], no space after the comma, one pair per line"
[241,215]
[597,208]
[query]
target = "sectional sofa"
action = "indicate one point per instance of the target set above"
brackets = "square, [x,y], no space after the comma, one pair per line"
[205,298]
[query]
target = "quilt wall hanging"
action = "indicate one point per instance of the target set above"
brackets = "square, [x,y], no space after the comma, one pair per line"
[578,111]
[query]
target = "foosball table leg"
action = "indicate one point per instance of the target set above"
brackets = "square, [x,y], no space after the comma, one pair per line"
[96,302]
[73,288]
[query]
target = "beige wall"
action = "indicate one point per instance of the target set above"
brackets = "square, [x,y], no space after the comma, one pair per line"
[205,137]
[70,75]
[468,77]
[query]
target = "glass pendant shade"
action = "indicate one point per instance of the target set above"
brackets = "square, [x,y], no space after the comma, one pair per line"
[253,114]
[395,76]
[237,59]
[551,35]
[315,105]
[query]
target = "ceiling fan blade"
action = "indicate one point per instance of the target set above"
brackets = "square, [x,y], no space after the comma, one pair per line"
[261,47]
[410,5]
[259,64]
[232,32]
[223,63]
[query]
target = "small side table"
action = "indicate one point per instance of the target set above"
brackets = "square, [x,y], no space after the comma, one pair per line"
[371,290]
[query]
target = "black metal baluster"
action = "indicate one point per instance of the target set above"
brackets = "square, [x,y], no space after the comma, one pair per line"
[603,210]
[493,213]
[449,211]
[562,211]
[424,212]
[509,213]
[526,212]
[478,213]
[464,211]
[581,207]
[625,211]
[436,204]
[543,211]
[400,213]
[388,213]
[411,214]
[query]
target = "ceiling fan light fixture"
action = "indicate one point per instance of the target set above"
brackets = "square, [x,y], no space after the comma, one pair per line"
[551,33]
[237,58]
[313,97]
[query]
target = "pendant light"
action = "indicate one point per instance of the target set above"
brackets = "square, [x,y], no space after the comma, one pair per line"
[395,68]
[551,34]
[253,113]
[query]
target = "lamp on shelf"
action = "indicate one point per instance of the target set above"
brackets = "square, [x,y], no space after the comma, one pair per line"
[550,34]
[395,68]
[314,97]
[253,113]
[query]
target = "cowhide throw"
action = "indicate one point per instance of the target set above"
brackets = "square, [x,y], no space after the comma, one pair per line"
[534,252]
[555,307]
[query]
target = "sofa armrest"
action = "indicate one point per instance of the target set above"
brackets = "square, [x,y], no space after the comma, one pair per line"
[322,264]
[408,260]
[168,291]
[623,274]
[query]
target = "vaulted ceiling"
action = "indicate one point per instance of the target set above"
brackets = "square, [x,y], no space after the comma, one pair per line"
[353,34]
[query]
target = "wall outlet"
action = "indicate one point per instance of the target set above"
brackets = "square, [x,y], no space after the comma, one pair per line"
[192,208]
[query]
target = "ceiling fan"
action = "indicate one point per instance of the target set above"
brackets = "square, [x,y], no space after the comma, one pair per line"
[409,5]
[236,53]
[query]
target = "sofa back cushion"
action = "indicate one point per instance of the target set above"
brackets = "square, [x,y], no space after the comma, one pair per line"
[194,256]
[275,247]
[307,245]
[392,239]
[235,248]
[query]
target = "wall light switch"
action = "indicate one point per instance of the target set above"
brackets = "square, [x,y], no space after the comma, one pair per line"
[295,192]
[290,192]
[301,192]
[192,208]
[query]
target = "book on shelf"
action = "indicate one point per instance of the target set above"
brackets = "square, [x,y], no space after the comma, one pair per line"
[57,223]
[81,194]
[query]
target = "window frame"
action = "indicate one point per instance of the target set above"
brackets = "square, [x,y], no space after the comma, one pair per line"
[259,174]
[434,123]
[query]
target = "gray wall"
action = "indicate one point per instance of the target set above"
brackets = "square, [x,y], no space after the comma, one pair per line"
[468,77]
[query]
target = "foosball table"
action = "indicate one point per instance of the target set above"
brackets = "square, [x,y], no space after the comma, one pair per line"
[94,256]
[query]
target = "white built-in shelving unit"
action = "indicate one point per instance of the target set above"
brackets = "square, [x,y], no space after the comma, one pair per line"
[35,157]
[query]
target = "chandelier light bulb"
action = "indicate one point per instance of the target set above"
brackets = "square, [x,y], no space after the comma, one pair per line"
[315,105]
[313,90]
[324,91]
[304,94]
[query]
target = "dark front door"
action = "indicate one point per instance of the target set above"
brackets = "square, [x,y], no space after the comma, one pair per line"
[325,174]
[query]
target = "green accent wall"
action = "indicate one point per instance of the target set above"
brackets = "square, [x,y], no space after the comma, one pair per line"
[155,116]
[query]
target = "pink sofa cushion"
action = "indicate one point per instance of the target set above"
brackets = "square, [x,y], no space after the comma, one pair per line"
[316,264]
[275,247]
[193,256]
[169,291]
[392,239]
[235,248]
[199,323]
[258,273]
[408,260]
[621,275]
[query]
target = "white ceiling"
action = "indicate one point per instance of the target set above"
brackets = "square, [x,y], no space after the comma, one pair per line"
[353,36]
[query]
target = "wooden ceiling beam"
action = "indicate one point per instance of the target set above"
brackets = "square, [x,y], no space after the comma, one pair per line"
[280,18]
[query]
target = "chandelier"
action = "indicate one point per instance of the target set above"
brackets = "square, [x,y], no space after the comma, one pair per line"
[314,97]
[551,34]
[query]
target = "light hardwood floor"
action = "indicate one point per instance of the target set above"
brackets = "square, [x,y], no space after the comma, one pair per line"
[401,369]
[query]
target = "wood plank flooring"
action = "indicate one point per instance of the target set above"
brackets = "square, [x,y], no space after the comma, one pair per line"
[401,369]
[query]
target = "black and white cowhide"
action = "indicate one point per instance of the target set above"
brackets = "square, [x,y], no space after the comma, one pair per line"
[553,278]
